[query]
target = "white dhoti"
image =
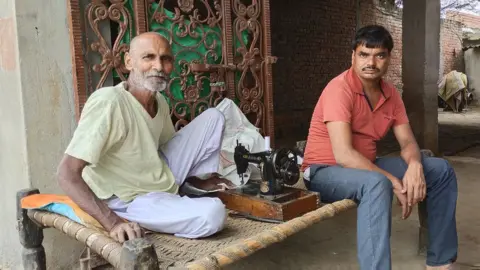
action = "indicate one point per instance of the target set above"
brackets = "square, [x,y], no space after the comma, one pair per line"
[193,151]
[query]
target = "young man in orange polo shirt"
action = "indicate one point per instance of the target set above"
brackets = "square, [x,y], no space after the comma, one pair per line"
[356,109]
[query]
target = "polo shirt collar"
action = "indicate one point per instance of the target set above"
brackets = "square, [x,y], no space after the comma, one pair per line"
[356,84]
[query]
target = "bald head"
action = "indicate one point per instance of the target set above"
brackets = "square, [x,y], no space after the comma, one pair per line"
[147,39]
[149,58]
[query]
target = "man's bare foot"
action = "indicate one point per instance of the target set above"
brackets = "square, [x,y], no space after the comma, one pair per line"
[212,183]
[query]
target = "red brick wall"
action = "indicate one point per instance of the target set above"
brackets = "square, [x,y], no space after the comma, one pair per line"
[451,39]
[468,20]
[312,42]
[451,47]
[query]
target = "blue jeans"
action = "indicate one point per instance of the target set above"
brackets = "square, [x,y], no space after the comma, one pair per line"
[373,193]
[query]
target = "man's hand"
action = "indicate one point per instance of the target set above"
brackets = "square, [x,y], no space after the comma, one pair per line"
[414,184]
[399,191]
[402,201]
[414,179]
[129,229]
[212,183]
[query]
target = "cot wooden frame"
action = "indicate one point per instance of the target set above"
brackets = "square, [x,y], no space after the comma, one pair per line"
[141,254]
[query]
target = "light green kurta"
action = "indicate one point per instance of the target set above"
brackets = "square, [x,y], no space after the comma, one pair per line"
[120,139]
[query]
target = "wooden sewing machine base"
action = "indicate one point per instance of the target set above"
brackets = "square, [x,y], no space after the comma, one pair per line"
[291,203]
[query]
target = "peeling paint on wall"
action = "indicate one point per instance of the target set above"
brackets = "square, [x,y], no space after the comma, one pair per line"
[7,46]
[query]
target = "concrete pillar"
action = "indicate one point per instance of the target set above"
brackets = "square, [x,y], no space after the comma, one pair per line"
[37,116]
[13,157]
[421,62]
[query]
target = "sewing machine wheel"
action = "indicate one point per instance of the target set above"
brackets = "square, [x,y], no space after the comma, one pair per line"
[286,167]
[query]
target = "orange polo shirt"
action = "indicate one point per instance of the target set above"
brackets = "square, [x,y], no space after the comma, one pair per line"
[343,99]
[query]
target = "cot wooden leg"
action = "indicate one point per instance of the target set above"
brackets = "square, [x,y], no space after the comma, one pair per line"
[31,236]
[138,254]
[423,229]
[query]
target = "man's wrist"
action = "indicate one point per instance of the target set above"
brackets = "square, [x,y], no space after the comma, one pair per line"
[396,183]
[415,164]
[111,221]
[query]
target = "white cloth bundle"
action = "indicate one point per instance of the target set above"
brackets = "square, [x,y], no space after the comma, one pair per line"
[238,128]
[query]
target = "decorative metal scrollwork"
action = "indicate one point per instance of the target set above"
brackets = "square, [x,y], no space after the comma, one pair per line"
[195,33]
[101,16]
[249,88]
[185,5]
[218,46]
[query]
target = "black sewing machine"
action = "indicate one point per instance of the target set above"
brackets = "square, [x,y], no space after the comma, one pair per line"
[270,199]
[278,168]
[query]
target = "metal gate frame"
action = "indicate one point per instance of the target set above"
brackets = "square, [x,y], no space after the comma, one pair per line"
[94,57]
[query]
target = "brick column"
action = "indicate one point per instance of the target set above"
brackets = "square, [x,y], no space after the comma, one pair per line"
[421,50]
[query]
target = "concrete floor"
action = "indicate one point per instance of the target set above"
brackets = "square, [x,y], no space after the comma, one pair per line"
[332,243]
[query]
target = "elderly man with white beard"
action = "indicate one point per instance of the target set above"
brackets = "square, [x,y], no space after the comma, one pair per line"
[126,166]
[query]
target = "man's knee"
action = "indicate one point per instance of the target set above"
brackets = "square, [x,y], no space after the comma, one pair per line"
[212,218]
[378,183]
[440,165]
[213,114]
[439,169]
[216,216]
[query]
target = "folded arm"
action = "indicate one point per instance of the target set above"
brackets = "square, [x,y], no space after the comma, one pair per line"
[414,178]
[410,151]
[340,134]
[341,138]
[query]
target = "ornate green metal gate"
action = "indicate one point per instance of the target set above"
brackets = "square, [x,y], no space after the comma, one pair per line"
[221,48]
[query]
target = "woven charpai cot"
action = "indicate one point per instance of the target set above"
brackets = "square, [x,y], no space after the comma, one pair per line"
[240,238]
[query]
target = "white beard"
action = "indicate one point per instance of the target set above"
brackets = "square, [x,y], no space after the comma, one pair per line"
[149,84]
[156,87]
